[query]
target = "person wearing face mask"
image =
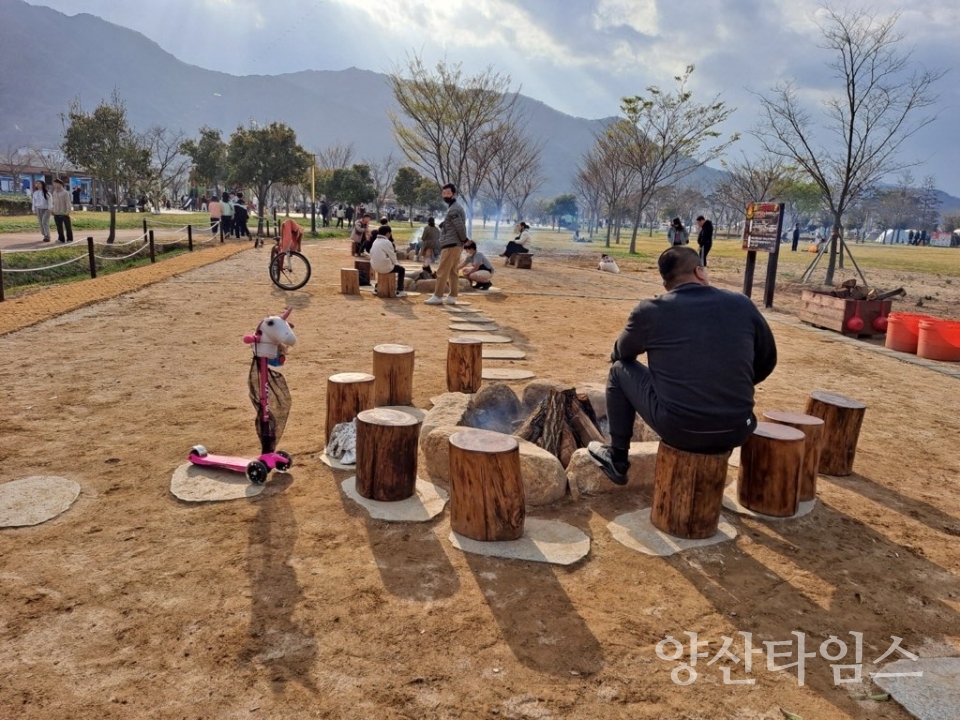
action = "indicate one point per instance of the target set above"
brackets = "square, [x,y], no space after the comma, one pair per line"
[452,237]
[476,268]
[706,351]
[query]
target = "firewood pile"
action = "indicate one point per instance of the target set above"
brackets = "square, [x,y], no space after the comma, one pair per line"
[850,290]
[562,422]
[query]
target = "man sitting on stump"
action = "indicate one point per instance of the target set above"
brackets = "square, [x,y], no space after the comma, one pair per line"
[706,350]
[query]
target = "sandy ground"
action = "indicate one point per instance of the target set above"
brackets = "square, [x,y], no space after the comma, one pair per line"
[296,605]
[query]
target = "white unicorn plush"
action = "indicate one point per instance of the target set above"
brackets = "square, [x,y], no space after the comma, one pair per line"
[272,337]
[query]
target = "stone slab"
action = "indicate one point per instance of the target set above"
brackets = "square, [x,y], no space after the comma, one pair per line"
[426,503]
[459,310]
[635,531]
[334,463]
[463,327]
[499,353]
[475,319]
[198,483]
[489,373]
[34,500]
[544,541]
[732,503]
[488,338]
[933,696]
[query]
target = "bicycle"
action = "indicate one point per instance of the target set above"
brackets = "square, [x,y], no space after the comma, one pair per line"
[289,269]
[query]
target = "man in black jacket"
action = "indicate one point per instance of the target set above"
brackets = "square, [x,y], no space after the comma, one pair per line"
[706,350]
[704,238]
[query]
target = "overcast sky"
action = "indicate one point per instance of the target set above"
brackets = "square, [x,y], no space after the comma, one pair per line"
[578,56]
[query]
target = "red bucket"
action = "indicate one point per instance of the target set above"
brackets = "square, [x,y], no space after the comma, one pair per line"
[939,340]
[903,331]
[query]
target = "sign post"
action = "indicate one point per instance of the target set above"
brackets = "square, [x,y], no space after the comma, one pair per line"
[761,233]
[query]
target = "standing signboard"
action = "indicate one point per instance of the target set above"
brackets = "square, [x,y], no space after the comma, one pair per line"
[761,233]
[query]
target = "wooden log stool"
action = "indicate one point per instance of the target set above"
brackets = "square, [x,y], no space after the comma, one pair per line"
[464,364]
[842,418]
[393,370]
[347,395]
[770,464]
[387,285]
[486,488]
[522,261]
[387,454]
[363,268]
[688,492]
[349,281]
[812,429]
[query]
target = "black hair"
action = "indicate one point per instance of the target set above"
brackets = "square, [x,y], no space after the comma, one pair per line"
[430,221]
[384,230]
[676,262]
[469,245]
[451,187]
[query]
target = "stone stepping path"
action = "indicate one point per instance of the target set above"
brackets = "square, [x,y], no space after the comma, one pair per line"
[459,310]
[489,338]
[474,319]
[34,500]
[506,374]
[499,353]
[195,483]
[473,328]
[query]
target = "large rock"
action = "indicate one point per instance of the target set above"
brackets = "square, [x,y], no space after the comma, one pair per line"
[448,409]
[435,449]
[643,432]
[495,407]
[544,480]
[537,390]
[597,392]
[586,477]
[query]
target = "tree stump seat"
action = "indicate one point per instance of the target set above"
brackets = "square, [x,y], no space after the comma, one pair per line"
[486,487]
[522,261]
[688,492]
[349,281]
[387,285]
[393,370]
[464,364]
[347,395]
[387,454]
[363,269]
[842,418]
[770,465]
[812,428]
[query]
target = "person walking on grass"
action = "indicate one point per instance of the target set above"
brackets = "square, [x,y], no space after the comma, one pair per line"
[452,237]
[60,206]
[704,238]
[41,208]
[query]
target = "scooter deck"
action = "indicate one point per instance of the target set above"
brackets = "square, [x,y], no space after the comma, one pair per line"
[227,462]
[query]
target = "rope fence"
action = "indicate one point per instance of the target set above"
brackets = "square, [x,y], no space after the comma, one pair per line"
[175,235]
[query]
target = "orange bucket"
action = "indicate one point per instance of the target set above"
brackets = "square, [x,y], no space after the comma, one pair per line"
[903,331]
[939,340]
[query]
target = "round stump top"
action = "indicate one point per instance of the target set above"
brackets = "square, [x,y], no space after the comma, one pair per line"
[786,417]
[484,441]
[385,417]
[351,377]
[465,341]
[775,431]
[836,399]
[391,349]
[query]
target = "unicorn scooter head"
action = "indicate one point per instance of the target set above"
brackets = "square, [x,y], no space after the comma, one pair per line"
[272,338]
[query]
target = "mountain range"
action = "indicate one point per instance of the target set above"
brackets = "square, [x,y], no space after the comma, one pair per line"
[51,59]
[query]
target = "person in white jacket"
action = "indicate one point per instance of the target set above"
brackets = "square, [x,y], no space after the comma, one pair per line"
[41,206]
[383,257]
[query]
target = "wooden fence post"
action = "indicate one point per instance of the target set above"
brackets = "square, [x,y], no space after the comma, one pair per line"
[1,282]
[93,259]
[153,254]
[190,238]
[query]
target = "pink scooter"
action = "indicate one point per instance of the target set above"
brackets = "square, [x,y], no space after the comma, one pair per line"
[273,335]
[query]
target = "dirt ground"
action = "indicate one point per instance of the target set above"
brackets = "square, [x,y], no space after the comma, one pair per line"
[294,604]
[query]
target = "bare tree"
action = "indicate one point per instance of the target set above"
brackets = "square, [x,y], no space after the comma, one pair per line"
[382,174]
[604,163]
[928,216]
[864,125]
[169,164]
[525,183]
[335,157]
[16,161]
[752,180]
[448,120]
[514,159]
[587,187]
[667,132]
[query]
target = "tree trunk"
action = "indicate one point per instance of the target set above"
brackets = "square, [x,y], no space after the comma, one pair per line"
[812,428]
[770,464]
[464,365]
[387,454]
[688,492]
[633,235]
[609,231]
[347,395]
[842,418]
[393,370]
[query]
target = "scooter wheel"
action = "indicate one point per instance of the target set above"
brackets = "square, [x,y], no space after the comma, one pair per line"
[199,450]
[288,461]
[257,472]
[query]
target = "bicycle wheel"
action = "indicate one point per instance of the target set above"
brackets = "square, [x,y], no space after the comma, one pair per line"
[289,270]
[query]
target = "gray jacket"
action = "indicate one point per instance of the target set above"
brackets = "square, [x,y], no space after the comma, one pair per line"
[454,227]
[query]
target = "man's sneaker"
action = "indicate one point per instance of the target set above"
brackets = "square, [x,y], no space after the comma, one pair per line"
[401,293]
[449,300]
[602,455]
[433,300]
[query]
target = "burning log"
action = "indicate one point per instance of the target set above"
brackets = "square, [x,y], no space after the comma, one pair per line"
[563,422]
